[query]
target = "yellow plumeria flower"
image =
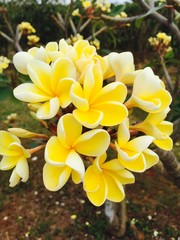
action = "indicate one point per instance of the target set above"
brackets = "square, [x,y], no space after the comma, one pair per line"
[134,154]
[62,153]
[105,180]
[164,37]
[4,63]
[120,65]
[51,86]
[96,43]
[95,103]
[76,13]
[14,156]
[149,92]
[86,4]
[155,126]
[47,54]
[33,39]
[26,28]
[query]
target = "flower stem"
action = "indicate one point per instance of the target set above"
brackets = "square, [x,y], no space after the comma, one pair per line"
[36,149]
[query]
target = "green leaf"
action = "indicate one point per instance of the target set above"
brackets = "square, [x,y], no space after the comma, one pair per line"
[138,22]
[117,9]
[169,55]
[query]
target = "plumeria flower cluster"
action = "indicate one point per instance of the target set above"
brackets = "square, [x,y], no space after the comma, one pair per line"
[92,8]
[25,28]
[161,43]
[86,102]
[4,63]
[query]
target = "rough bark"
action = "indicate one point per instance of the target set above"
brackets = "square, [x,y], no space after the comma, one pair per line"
[171,165]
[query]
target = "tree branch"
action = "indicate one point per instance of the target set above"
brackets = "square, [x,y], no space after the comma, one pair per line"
[167,76]
[4,35]
[171,165]
[97,33]
[172,26]
[121,20]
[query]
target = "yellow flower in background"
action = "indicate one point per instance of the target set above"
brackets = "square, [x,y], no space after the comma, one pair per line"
[105,6]
[96,43]
[154,125]
[76,13]
[161,43]
[105,180]
[4,63]
[14,156]
[149,92]
[62,153]
[26,28]
[164,37]
[86,4]
[32,39]
[134,154]
[95,103]
[51,86]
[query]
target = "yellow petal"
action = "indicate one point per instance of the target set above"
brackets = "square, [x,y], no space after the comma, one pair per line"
[48,109]
[14,179]
[165,127]
[115,91]
[123,134]
[68,130]
[98,163]
[55,177]
[75,162]
[6,139]
[151,158]
[91,180]
[126,154]
[21,60]
[112,165]
[77,97]
[64,91]
[55,152]
[80,45]
[98,197]
[165,144]
[22,169]
[136,165]
[150,105]
[40,74]
[19,149]
[92,143]
[113,112]
[42,55]
[28,92]
[156,118]
[125,176]
[62,68]
[139,144]
[115,189]
[128,78]
[93,81]
[146,84]
[8,162]
[121,63]
[89,119]
[51,46]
